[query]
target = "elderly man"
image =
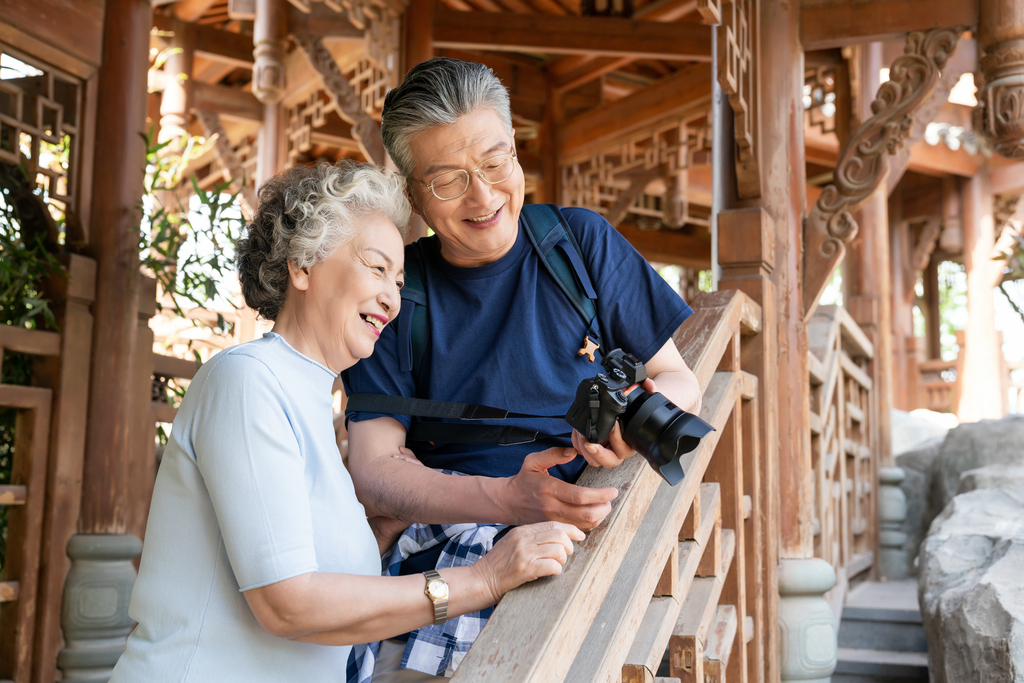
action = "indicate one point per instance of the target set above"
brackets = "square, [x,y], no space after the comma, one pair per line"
[501,330]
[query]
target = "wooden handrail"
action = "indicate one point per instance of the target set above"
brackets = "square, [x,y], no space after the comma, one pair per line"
[539,630]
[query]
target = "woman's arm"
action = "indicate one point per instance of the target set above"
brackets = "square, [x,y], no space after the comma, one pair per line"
[345,609]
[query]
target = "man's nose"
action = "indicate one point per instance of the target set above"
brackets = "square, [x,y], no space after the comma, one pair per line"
[479,189]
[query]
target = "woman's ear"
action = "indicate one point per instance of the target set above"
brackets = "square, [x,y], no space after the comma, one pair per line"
[299,277]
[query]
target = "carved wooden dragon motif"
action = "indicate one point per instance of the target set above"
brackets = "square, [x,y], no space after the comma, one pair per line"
[864,163]
[365,129]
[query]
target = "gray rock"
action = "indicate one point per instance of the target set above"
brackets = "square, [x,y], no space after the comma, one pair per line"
[974,445]
[917,465]
[991,477]
[970,588]
[911,431]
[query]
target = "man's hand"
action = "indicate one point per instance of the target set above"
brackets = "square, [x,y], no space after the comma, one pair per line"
[616,451]
[533,495]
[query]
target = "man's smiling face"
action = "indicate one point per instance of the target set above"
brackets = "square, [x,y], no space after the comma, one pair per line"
[482,225]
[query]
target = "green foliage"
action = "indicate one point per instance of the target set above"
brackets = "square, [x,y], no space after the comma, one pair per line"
[952,306]
[187,245]
[25,262]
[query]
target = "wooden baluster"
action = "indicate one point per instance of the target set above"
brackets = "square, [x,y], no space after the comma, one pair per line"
[142,465]
[746,253]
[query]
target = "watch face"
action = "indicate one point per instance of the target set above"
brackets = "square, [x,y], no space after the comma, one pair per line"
[437,589]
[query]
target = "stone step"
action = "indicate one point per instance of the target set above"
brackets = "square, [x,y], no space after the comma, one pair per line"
[882,629]
[880,666]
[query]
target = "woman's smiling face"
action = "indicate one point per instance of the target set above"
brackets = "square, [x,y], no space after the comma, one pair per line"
[482,225]
[349,297]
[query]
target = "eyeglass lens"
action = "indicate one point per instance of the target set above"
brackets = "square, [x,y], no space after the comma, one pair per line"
[454,183]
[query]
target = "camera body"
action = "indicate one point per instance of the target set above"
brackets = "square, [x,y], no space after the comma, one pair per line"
[602,400]
[651,424]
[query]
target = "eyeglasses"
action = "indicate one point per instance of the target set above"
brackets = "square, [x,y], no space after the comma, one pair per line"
[453,184]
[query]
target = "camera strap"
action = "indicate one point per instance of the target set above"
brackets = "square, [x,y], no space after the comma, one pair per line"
[452,432]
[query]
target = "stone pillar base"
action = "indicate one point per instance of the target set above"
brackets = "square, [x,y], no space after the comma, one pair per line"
[94,616]
[807,628]
[892,512]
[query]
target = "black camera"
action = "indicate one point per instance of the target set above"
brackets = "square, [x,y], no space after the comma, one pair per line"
[651,424]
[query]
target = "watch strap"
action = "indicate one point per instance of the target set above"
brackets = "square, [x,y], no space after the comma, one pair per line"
[440,606]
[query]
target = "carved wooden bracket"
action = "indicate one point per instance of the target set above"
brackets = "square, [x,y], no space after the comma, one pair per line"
[864,163]
[365,129]
[737,76]
[227,157]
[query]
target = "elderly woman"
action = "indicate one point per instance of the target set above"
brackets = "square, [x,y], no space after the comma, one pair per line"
[259,563]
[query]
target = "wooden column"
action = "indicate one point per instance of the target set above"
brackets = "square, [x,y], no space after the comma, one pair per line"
[419,47]
[761,251]
[547,189]
[270,32]
[419,32]
[268,148]
[980,380]
[867,273]
[176,101]
[118,184]
[101,568]
[784,201]
[933,329]
[903,277]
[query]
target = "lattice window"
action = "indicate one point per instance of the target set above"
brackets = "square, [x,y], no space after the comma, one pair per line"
[302,119]
[820,99]
[662,153]
[40,118]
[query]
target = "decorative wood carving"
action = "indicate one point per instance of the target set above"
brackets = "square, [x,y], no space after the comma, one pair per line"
[229,159]
[820,99]
[1001,99]
[613,179]
[268,71]
[364,128]
[737,75]
[864,163]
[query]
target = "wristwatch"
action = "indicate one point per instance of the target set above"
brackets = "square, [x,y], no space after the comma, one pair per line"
[437,591]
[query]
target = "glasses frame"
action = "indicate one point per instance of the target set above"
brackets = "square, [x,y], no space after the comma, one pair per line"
[469,176]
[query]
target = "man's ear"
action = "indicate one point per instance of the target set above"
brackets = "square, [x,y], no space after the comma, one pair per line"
[299,277]
[413,201]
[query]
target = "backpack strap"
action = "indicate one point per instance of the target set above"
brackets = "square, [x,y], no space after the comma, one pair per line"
[549,233]
[414,326]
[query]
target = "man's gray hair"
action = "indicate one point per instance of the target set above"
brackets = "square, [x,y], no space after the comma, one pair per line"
[304,215]
[437,92]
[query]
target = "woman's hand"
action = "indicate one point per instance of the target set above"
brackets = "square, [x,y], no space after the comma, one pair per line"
[385,529]
[527,553]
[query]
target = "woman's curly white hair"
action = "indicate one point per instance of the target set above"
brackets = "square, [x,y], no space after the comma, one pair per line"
[304,215]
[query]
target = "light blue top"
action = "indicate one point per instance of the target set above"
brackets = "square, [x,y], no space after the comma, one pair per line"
[251,491]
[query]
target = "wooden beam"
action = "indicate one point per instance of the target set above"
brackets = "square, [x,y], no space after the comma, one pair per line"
[191,10]
[231,102]
[1005,178]
[214,43]
[669,246]
[684,88]
[507,32]
[320,21]
[940,160]
[833,23]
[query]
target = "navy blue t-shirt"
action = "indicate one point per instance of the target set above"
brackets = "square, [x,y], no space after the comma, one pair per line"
[506,335]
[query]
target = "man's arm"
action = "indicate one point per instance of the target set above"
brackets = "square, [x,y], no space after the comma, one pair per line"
[670,376]
[390,486]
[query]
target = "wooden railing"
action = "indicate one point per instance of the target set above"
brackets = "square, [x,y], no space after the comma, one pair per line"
[675,569]
[842,445]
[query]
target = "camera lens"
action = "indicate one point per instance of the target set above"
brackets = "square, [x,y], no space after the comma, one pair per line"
[661,431]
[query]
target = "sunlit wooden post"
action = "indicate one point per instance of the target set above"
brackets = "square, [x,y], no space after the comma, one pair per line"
[102,552]
[980,380]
